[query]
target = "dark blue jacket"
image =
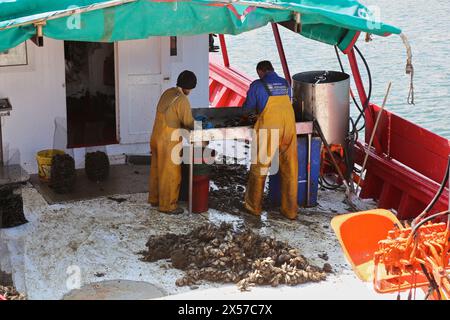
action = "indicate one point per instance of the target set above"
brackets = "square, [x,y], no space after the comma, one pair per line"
[258,93]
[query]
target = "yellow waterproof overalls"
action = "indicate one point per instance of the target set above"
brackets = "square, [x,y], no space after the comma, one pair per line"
[173,112]
[277,114]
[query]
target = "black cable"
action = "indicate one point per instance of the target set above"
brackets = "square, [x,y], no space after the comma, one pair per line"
[326,185]
[430,290]
[361,110]
[422,222]
[342,69]
[349,152]
[339,58]
[329,184]
[436,197]
[431,281]
[353,131]
[353,134]
[369,95]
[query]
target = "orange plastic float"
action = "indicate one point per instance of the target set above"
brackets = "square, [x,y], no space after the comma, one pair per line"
[359,234]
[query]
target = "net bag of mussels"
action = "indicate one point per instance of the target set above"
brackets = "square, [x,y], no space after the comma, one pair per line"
[63,174]
[97,166]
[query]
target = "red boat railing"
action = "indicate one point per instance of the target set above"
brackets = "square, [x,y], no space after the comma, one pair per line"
[227,87]
[405,169]
[406,174]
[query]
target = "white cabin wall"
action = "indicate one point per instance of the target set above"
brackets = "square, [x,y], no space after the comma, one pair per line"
[195,57]
[193,54]
[37,95]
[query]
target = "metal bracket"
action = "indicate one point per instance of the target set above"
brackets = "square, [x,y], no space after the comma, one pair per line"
[38,38]
[298,22]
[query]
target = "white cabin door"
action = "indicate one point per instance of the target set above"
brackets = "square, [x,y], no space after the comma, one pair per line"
[142,78]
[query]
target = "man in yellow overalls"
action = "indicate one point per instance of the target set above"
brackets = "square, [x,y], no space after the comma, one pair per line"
[173,112]
[270,96]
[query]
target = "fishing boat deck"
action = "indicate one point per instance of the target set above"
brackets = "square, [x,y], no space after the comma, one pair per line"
[101,238]
[94,244]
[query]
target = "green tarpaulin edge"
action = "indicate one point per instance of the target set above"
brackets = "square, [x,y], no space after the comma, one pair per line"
[332,22]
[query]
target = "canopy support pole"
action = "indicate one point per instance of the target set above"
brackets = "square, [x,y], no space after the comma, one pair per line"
[363,98]
[223,47]
[284,64]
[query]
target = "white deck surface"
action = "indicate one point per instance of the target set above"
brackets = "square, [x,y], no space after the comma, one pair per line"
[65,246]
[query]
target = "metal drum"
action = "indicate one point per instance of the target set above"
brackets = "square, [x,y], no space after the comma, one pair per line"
[324,95]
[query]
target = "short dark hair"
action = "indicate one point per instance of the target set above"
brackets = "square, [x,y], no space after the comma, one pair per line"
[187,80]
[264,66]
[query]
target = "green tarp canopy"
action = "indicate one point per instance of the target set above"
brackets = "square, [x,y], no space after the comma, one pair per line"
[330,21]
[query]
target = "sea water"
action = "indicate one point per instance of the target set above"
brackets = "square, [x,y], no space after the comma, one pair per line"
[427,25]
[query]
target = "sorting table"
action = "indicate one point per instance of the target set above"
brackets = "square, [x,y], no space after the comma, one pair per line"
[218,116]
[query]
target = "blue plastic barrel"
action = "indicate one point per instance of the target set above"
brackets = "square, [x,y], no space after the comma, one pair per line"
[302,148]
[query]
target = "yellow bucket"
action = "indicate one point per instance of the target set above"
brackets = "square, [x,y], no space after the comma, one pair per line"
[44,161]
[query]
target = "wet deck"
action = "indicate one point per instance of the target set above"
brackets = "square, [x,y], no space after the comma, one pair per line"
[87,243]
[123,179]
[83,242]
